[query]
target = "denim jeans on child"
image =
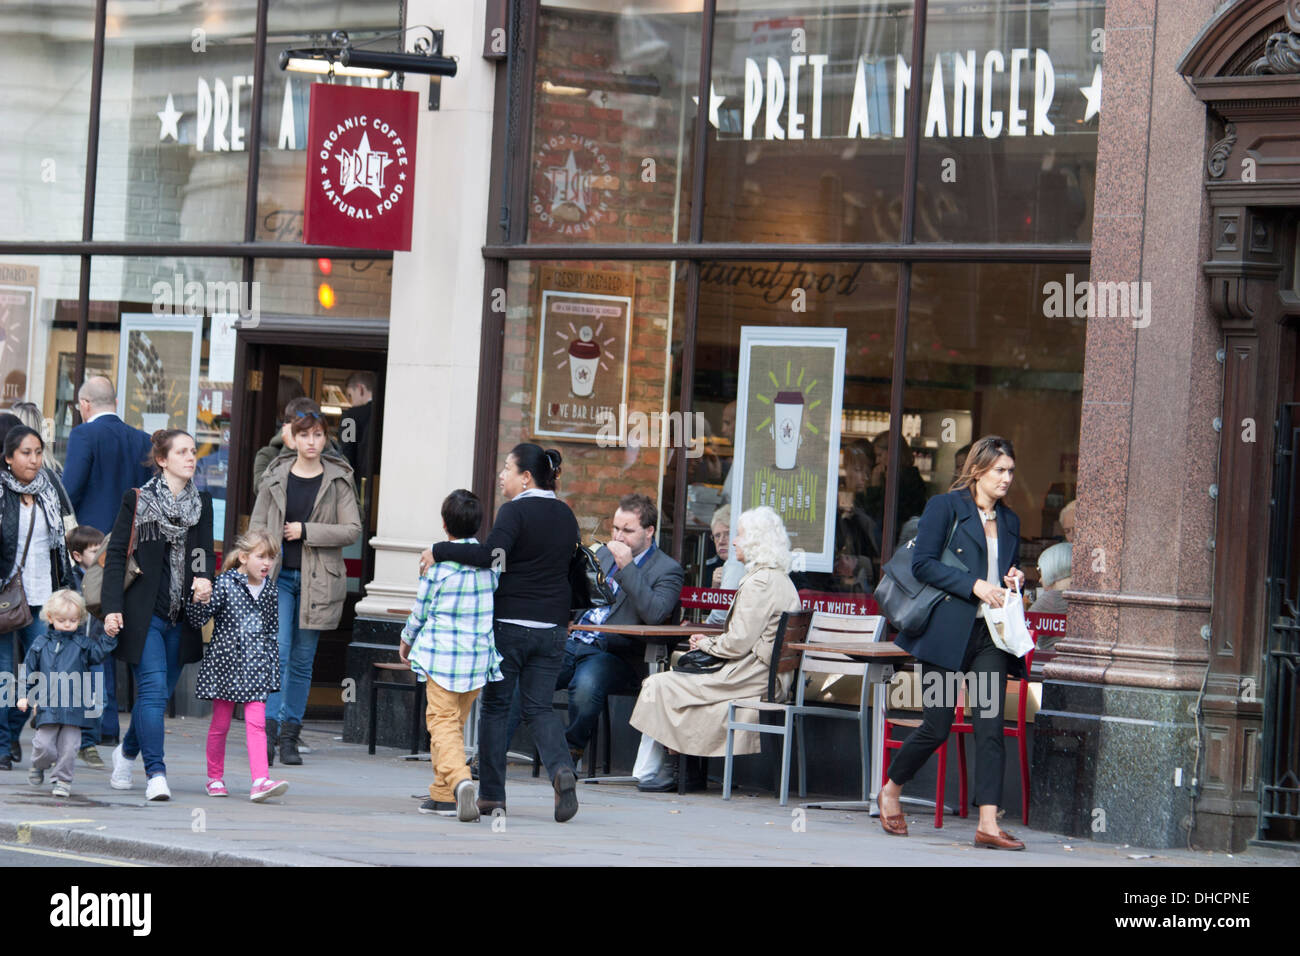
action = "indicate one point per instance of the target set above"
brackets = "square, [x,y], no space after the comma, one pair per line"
[12,719]
[155,679]
[297,652]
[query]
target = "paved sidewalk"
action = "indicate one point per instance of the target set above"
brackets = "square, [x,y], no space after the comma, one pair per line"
[346,808]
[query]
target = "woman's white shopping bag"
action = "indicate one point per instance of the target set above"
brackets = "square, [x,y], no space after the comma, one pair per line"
[1007,624]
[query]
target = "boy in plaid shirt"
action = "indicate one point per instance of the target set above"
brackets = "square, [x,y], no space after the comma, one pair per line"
[448,643]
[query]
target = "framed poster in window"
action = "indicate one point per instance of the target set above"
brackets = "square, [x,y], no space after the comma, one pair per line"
[791,388]
[17,311]
[586,319]
[158,371]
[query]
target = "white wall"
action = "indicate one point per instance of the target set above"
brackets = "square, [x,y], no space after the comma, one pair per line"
[430,408]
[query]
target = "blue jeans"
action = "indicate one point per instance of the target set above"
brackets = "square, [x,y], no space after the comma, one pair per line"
[105,725]
[591,675]
[530,657]
[11,718]
[297,653]
[155,679]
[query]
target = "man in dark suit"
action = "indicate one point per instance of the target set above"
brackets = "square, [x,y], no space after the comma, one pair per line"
[647,585]
[106,456]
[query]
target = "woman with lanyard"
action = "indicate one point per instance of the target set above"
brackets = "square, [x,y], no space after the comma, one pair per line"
[535,534]
[31,546]
[984,534]
[172,522]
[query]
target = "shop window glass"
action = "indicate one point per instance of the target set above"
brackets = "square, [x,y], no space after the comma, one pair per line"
[995,349]
[161,329]
[795,385]
[612,121]
[331,288]
[282,173]
[38,305]
[45,52]
[594,383]
[1009,145]
[808,144]
[173,141]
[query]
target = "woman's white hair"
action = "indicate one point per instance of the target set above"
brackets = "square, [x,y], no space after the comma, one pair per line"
[766,542]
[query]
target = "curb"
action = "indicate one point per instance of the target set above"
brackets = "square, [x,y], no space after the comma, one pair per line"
[53,837]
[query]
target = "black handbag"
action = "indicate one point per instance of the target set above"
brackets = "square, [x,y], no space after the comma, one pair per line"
[14,610]
[588,586]
[905,601]
[698,662]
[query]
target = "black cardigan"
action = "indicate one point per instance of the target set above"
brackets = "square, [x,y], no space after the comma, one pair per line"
[533,540]
[137,604]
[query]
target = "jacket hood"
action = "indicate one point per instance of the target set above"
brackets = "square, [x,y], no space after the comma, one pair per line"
[335,465]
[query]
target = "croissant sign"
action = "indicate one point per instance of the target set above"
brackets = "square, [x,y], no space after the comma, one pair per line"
[360,167]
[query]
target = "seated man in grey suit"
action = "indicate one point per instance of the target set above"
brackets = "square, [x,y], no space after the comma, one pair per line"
[647,585]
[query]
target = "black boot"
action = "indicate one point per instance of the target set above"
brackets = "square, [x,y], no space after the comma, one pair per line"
[289,731]
[272,738]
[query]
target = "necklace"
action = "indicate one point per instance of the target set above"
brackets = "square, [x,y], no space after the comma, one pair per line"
[986,515]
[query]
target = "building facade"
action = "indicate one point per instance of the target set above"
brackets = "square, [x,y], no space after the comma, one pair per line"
[1071,224]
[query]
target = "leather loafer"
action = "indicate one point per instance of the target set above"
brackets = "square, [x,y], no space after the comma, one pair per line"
[1003,841]
[665,781]
[486,807]
[895,825]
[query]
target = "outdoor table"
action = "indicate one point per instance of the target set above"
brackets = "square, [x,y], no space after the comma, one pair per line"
[881,657]
[659,640]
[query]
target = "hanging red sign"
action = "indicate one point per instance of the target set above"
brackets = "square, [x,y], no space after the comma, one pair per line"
[360,167]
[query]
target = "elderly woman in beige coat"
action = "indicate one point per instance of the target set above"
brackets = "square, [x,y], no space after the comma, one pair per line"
[687,713]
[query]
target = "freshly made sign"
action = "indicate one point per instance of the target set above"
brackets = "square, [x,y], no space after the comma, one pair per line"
[361,167]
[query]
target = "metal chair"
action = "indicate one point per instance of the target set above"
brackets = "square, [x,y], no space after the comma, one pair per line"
[827,629]
[791,629]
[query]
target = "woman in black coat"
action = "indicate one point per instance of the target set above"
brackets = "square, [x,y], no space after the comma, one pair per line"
[29,506]
[173,531]
[983,534]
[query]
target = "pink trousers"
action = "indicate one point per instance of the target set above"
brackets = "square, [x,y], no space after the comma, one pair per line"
[254,735]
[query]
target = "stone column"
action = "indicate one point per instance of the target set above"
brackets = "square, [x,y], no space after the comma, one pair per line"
[433,345]
[1115,741]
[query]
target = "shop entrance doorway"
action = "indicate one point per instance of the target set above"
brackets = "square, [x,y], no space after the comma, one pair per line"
[272,360]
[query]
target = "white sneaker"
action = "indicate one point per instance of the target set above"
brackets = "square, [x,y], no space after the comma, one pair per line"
[122,769]
[466,802]
[156,789]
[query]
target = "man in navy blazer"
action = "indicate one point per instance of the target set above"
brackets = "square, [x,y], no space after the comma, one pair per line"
[106,456]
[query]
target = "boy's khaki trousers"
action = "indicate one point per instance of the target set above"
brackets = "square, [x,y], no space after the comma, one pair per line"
[445,715]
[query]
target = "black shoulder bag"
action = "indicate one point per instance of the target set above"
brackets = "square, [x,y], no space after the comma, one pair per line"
[904,600]
[588,587]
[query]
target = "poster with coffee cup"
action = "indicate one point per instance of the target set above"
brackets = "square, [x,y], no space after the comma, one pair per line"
[790,393]
[586,318]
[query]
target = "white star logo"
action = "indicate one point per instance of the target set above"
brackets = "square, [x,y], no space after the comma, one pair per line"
[1092,93]
[362,168]
[714,102]
[170,117]
[568,185]
[205,403]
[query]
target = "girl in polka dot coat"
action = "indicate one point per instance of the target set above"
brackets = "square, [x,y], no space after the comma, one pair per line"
[242,663]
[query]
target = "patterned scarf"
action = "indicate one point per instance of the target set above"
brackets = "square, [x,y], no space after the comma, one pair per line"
[160,516]
[44,493]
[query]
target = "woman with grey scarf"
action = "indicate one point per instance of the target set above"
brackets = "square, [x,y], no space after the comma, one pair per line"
[31,546]
[172,521]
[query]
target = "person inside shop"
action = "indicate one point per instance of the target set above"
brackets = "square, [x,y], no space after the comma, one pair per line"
[687,712]
[959,460]
[309,502]
[1054,570]
[288,389]
[728,432]
[911,486]
[106,456]
[1066,521]
[972,521]
[857,533]
[647,585]
[355,425]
